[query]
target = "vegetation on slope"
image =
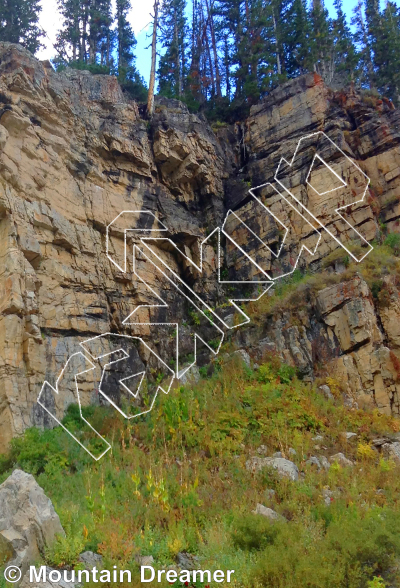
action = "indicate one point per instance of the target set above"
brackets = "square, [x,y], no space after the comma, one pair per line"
[176,481]
[295,290]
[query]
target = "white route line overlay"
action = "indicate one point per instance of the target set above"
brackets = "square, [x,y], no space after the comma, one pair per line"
[268,282]
[283,160]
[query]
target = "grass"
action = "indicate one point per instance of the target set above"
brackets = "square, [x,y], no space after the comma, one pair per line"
[176,481]
[295,292]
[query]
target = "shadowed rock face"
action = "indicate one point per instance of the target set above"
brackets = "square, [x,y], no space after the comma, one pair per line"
[74,153]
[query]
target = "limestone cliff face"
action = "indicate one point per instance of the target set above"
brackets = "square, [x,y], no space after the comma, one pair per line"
[74,153]
[340,331]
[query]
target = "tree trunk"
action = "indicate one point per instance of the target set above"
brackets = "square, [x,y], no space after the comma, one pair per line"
[178,79]
[278,57]
[211,68]
[150,97]
[370,67]
[215,52]
[227,69]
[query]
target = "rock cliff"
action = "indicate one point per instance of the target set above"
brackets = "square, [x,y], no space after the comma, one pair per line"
[75,153]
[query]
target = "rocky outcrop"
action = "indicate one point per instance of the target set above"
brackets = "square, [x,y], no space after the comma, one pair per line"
[75,152]
[28,521]
[284,467]
[339,332]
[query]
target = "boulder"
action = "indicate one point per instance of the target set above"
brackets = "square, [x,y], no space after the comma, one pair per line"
[91,560]
[25,583]
[324,462]
[392,451]
[314,461]
[284,467]
[347,435]
[28,521]
[326,391]
[341,459]
[268,512]
[187,561]
[327,496]
[144,560]
[242,353]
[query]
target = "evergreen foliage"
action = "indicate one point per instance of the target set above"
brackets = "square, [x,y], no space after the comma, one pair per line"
[172,71]
[19,23]
[222,56]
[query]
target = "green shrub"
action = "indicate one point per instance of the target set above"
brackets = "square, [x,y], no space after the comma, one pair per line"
[65,550]
[393,241]
[355,547]
[254,532]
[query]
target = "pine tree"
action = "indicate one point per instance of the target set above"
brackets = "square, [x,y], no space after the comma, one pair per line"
[69,38]
[346,58]
[297,39]
[322,50]
[86,38]
[278,10]
[100,20]
[385,43]
[126,41]
[361,37]
[19,23]
[152,82]
[172,67]
[128,76]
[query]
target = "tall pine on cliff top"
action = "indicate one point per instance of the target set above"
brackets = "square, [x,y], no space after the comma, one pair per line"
[100,35]
[128,76]
[86,38]
[385,42]
[345,54]
[322,49]
[298,58]
[362,38]
[173,30]
[19,23]
[69,38]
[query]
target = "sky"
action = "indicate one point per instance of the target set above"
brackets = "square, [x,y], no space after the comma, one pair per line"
[140,20]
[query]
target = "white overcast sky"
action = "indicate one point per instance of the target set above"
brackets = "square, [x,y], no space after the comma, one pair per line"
[140,19]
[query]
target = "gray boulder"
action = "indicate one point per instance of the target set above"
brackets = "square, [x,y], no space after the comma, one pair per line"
[28,521]
[284,467]
[190,377]
[324,462]
[144,560]
[326,391]
[392,451]
[242,353]
[341,459]
[314,461]
[187,561]
[348,435]
[25,583]
[327,496]
[91,560]
[268,512]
